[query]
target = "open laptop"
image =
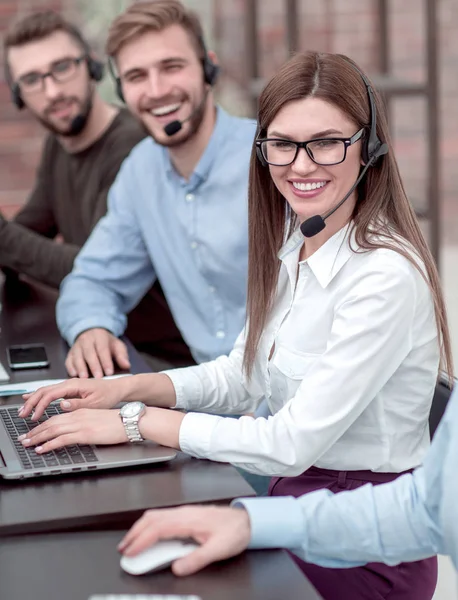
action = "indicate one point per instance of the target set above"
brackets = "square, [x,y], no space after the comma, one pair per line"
[17,462]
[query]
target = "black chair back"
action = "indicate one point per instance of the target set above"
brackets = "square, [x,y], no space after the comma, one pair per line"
[440,400]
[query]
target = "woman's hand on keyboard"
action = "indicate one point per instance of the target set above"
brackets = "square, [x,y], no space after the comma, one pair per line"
[75,393]
[82,426]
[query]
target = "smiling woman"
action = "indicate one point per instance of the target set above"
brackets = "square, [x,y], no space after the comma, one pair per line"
[345,328]
[321,169]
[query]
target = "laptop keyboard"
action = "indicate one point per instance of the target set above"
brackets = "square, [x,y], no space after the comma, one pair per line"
[70,455]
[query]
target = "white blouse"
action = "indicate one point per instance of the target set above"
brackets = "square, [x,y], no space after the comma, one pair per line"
[351,379]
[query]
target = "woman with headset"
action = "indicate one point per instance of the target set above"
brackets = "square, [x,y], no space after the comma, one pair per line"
[346,325]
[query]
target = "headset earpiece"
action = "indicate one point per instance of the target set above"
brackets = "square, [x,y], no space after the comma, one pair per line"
[116,79]
[372,146]
[96,68]
[257,142]
[118,88]
[367,147]
[211,70]
[16,97]
[15,91]
[261,158]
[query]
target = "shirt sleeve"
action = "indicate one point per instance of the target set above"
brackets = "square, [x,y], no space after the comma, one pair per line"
[27,243]
[218,386]
[37,214]
[445,508]
[112,272]
[30,253]
[395,522]
[371,334]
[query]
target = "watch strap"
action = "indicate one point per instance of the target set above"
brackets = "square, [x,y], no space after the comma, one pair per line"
[132,430]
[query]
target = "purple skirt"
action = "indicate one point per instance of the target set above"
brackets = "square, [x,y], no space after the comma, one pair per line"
[375,581]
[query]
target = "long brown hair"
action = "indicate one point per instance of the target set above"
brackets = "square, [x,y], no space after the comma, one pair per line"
[382,205]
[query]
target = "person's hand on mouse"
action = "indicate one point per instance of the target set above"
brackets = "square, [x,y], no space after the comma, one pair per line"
[221,533]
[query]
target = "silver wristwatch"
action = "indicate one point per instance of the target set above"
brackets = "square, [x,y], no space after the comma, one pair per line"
[130,414]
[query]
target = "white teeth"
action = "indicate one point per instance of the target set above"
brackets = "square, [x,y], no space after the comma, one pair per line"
[308,187]
[165,110]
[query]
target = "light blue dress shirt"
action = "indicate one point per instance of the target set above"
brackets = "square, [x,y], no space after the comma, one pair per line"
[411,518]
[190,234]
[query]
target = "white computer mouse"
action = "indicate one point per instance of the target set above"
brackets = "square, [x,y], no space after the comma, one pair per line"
[156,557]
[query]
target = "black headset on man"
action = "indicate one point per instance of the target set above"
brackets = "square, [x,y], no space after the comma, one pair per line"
[211,72]
[95,69]
[372,149]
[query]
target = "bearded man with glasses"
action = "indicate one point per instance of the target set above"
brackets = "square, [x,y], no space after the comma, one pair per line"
[33,83]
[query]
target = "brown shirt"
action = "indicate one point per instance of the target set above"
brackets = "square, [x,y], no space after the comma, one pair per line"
[69,198]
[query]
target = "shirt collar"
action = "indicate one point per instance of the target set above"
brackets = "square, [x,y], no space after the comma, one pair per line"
[328,260]
[220,131]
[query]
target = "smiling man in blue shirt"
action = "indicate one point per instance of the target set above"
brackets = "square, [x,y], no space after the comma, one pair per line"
[411,518]
[178,208]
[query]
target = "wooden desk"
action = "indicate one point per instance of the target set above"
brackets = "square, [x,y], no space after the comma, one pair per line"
[112,498]
[73,567]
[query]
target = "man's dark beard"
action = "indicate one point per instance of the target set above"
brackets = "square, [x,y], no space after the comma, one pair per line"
[77,124]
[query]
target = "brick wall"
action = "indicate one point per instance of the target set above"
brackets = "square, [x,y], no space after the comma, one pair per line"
[348,26]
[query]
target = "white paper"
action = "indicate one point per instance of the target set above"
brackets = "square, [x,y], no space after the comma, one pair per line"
[27,387]
[4,376]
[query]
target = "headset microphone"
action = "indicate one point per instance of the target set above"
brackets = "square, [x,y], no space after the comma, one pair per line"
[312,226]
[175,126]
[77,125]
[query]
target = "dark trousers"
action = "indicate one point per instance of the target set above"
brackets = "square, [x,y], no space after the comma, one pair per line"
[375,581]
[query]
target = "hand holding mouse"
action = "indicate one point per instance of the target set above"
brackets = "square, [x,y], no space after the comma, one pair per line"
[219,532]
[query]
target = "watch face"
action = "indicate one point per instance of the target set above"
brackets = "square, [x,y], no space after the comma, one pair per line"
[132,409]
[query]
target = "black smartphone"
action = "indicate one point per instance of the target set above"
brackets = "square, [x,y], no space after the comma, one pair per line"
[27,356]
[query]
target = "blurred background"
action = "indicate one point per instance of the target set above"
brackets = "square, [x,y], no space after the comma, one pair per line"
[408,47]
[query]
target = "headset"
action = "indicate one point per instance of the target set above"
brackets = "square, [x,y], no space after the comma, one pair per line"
[95,67]
[372,146]
[211,70]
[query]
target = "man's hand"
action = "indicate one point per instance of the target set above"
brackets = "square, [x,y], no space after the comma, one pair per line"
[221,533]
[96,349]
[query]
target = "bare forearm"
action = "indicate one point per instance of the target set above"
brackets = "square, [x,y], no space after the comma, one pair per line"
[162,426]
[154,389]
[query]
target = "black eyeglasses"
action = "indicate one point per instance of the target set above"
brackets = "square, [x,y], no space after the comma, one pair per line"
[323,151]
[61,71]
